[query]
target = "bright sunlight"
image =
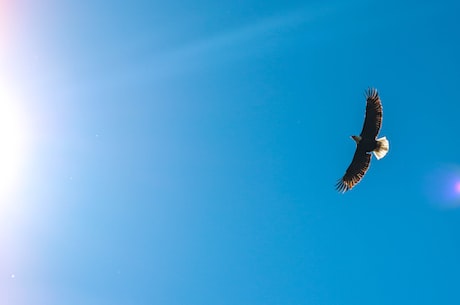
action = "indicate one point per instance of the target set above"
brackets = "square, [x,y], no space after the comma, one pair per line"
[12,144]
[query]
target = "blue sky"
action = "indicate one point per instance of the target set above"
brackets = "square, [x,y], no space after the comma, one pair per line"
[186,153]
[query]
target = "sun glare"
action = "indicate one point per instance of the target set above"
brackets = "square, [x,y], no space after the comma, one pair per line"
[12,144]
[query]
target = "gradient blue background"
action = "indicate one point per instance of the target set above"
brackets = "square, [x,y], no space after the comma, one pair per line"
[187,151]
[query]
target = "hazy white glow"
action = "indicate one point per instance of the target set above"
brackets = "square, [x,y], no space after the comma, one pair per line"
[13,144]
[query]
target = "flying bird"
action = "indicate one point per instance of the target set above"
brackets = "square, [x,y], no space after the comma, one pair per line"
[366,143]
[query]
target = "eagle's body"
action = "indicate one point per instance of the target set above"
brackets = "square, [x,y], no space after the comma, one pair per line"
[366,143]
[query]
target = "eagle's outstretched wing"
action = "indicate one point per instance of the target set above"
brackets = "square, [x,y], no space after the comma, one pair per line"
[355,172]
[373,117]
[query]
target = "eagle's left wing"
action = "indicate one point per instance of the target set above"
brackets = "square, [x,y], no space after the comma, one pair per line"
[373,118]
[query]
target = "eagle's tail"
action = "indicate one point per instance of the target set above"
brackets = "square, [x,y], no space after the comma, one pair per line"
[382,148]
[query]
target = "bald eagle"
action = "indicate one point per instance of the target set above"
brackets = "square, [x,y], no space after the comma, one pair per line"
[366,143]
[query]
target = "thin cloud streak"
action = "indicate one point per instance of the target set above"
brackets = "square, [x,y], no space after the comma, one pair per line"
[183,58]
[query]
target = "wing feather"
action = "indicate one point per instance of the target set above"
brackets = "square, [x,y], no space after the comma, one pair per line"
[355,172]
[373,117]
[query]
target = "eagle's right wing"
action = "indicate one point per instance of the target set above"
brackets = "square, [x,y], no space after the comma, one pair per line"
[355,172]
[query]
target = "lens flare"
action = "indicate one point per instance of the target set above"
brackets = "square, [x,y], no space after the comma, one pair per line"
[443,186]
[457,187]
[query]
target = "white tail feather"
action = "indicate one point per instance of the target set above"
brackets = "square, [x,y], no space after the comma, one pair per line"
[382,148]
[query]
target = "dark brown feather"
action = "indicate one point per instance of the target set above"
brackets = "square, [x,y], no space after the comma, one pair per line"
[373,118]
[355,172]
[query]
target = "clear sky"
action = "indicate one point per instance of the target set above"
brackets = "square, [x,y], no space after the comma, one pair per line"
[186,152]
